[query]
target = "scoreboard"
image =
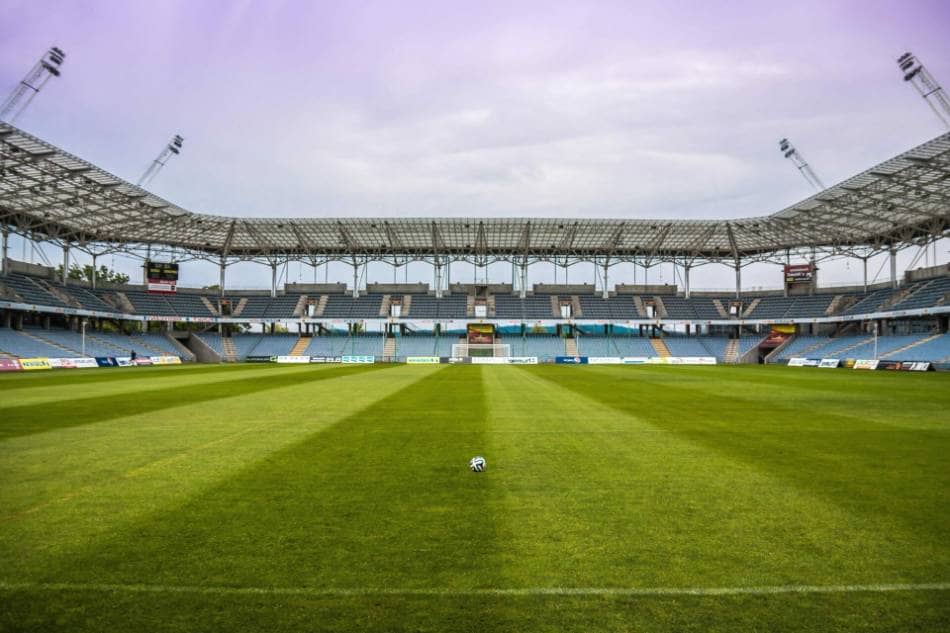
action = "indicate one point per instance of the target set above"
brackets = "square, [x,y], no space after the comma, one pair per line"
[161,271]
[162,277]
[481,333]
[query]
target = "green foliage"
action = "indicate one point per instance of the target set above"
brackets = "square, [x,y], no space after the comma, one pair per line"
[279,498]
[84,273]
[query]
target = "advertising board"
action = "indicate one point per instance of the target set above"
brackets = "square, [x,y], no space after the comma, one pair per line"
[34,364]
[422,360]
[829,363]
[293,359]
[866,364]
[9,364]
[357,359]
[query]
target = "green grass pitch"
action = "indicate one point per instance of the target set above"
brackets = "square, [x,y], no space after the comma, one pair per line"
[279,498]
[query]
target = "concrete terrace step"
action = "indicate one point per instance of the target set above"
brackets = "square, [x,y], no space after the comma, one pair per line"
[659,346]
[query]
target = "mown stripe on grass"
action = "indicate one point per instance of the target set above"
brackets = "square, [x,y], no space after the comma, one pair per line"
[88,469]
[347,506]
[62,378]
[862,468]
[18,420]
[224,590]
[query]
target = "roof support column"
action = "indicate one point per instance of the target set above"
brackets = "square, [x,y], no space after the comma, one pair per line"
[222,265]
[605,292]
[686,268]
[814,272]
[273,279]
[864,260]
[148,257]
[893,252]
[65,263]
[3,251]
[356,279]
[438,278]
[523,286]
[94,275]
[738,280]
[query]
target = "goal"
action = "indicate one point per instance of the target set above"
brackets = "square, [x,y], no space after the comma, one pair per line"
[481,349]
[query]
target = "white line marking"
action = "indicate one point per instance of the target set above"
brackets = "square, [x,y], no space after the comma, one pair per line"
[527,591]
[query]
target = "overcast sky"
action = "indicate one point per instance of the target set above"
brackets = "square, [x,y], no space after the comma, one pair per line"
[595,109]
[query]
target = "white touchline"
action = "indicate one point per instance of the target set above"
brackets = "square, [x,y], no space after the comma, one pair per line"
[527,591]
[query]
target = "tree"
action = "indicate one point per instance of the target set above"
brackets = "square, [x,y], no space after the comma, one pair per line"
[85,274]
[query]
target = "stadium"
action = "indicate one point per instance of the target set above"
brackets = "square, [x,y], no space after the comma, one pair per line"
[480,451]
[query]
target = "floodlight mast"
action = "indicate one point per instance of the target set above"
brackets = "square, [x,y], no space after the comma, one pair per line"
[172,149]
[926,85]
[29,86]
[789,151]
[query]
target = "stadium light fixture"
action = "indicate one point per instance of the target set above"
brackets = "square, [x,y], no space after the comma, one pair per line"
[172,149]
[926,85]
[47,67]
[788,151]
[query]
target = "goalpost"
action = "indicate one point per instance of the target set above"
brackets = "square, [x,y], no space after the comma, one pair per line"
[481,349]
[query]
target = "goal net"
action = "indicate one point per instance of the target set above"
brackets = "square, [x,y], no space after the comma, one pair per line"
[481,349]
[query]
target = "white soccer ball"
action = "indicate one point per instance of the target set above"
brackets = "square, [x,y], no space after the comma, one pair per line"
[477,464]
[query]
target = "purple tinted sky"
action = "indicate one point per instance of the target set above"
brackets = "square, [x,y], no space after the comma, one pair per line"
[659,109]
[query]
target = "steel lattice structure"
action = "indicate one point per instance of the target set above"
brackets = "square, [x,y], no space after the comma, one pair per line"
[48,194]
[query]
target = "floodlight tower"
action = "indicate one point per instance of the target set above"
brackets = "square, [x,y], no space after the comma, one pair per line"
[29,86]
[789,151]
[172,149]
[926,85]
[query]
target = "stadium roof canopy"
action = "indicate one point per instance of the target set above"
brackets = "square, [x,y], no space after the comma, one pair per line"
[49,194]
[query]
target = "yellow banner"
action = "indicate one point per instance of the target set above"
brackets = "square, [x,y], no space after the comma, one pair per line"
[784,329]
[31,364]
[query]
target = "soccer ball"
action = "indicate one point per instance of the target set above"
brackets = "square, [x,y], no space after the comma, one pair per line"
[477,464]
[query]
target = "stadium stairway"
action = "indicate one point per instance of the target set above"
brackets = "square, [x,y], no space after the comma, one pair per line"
[751,307]
[239,308]
[720,309]
[896,354]
[230,352]
[124,303]
[321,305]
[660,308]
[659,346]
[406,305]
[570,346]
[389,347]
[211,307]
[732,351]
[641,309]
[384,306]
[300,346]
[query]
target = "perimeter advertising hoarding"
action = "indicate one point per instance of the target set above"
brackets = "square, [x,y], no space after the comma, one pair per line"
[9,364]
[293,359]
[504,360]
[605,360]
[423,360]
[358,359]
[258,359]
[635,360]
[323,360]
[106,361]
[829,363]
[166,360]
[571,360]
[866,364]
[796,362]
[33,364]
[73,363]
[898,365]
